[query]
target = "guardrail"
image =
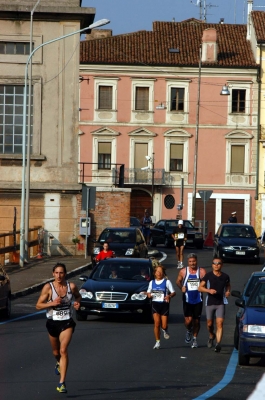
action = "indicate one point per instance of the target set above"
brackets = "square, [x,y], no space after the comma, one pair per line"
[9,244]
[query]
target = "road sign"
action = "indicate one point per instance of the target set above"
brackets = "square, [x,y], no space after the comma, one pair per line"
[205,195]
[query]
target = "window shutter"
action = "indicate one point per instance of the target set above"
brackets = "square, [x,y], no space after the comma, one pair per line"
[105,98]
[237,159]
[142,98]
[140,151]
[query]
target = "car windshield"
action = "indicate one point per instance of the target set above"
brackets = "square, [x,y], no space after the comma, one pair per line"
[238,232]
[257,297]
[251,285]
[122,271]
[117,236]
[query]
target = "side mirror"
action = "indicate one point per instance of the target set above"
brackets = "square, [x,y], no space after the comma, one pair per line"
[236,293]
[240,303]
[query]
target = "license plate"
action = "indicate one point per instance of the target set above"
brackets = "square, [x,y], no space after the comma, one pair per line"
[189,241]
[110,305]
[240,253]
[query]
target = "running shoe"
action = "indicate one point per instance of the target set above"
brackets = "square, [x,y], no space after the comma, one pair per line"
[61,388]
[217,348]
[194,344]
[180,265]
[210,341]
[57,369]
[188,337]
[166,334]
[157,345]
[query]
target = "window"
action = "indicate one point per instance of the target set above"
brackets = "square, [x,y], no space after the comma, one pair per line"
[237,159]
[104,155]
[176,157]
[169,202]
[142,98]
[177,99]
[11,118]
[238,100]
[105,97]
[15,48]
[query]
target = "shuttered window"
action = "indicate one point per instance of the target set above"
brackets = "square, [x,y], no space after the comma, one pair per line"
[176,157]
[140,151]
[142,98]
[105,97]
[104,155]
[177,99]
[238,100]
[237,159]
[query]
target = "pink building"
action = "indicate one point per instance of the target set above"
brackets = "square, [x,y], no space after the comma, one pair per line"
[144,94]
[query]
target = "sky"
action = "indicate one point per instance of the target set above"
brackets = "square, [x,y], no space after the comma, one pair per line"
[134,15]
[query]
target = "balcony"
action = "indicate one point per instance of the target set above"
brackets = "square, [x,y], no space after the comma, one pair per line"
[136,176]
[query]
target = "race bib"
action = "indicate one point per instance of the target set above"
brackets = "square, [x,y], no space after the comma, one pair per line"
[193,285]
[181,235]
[158,295]
[60,315]
[147,225]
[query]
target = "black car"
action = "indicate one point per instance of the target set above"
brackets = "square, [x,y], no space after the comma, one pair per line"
[249,286]
[5,294]
[135,222]
[125,242]
[236,242]
[126,293]
[163,229]
[251,327]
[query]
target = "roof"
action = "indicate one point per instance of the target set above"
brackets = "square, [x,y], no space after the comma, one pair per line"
[258,18]
[152,47]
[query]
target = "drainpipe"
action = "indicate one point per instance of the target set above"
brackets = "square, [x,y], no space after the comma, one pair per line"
[258,121]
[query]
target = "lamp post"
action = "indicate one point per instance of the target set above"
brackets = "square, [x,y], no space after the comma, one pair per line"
[22,219]
[28,135]
[152,160]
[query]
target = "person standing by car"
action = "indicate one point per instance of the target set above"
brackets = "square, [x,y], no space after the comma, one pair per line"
[160,290]
[188,281]
[146,223]
[105,253]
[180,237]
[232,219]
[217,286]
[57,297]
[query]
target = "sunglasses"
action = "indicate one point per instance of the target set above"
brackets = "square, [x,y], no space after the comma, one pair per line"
[217,263]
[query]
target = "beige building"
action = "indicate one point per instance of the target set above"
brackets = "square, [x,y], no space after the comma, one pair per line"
[54,190]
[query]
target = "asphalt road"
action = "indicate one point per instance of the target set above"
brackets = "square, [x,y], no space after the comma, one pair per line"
[113,358]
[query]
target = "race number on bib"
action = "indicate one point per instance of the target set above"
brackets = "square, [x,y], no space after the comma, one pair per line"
[158,295]
[60,315]
[181,235]
[193,285]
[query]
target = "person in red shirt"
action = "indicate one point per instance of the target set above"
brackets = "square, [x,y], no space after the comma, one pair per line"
[105,253]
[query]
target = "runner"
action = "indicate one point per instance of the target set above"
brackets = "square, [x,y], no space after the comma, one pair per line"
[180,236]
[188,282]
[56,297]
[146,223]
[161,291]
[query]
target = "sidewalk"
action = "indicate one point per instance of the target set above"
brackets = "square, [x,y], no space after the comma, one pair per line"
[37,272]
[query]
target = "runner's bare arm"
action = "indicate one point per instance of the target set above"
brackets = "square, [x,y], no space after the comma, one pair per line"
[179,281]
[76,294]
[44,297]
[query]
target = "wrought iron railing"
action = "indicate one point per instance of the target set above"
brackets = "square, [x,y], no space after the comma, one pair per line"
[144,177]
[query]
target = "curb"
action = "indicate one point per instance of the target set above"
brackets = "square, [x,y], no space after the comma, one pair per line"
[38,286]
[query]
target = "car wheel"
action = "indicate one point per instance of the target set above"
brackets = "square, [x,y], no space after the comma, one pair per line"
[236,338]
[6,313]
[80,316]
[152,243]
[242,358]
[166,242]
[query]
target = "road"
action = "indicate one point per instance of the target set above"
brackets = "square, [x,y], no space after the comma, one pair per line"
[113,358]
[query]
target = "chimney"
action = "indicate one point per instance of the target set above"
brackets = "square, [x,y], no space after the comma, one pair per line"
[250,6]
[209,45]
[222,20]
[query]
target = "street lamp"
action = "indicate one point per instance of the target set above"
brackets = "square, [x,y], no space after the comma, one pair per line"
[152,160]
[22,220]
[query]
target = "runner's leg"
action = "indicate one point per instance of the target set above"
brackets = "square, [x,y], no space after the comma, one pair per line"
[65,338]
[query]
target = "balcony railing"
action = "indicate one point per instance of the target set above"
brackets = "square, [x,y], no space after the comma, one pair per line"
[134,176]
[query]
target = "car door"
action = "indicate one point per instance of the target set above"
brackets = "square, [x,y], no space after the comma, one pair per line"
[160,232]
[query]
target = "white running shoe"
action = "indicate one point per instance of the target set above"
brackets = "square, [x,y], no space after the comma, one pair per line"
[157,345]
[166,334]
[179,264]
[194,344]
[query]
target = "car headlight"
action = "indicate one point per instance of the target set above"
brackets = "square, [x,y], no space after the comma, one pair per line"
[252,248]
[129,252]
[198,235]
[85,294]
[254,328]
[139,296]
[96,250]
[228,248]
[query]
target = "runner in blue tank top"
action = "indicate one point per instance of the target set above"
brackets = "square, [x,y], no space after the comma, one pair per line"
[188,282]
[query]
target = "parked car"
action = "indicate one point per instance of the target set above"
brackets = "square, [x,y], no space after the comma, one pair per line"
[125,242]
[254,277]
[5,294]
[236,242]
[135,222]
[163,229]
[101,294]
[251,327]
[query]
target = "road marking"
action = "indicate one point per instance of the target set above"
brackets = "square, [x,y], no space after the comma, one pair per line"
[24,316]
[228,376]
[164,256]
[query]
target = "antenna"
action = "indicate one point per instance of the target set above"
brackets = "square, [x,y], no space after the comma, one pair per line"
[203,8]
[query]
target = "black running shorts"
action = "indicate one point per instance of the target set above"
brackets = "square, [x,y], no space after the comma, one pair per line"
[56,327]
[160,308]
[192,310]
